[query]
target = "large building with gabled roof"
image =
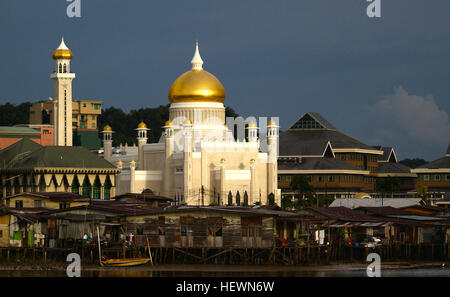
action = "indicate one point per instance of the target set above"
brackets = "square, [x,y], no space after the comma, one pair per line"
[388,166]
[435,175]
[335,164]
[29,167]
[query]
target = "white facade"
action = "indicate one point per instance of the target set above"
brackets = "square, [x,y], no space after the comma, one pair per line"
[198,161]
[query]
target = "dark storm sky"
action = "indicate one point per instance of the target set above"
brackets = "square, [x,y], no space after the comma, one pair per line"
[383,81]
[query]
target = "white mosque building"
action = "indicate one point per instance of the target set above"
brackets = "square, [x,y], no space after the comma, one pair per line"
[197,160]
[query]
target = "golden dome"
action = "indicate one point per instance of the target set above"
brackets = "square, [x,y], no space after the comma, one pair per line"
[222,160]
[252,160]
[62,52]
[169,123]
[142,125]
[188,122]
[107,128]
[271,123]
[197,85]
[252,124]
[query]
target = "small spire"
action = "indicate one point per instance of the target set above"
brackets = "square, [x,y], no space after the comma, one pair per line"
[62,45]
[197,61]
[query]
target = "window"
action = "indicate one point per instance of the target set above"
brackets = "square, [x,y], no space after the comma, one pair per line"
[279,178]
[96,106]
[178,170]
[63,205]
[93,125]
[437,177]
[447,177]
[320,179]
[83,125]
[426,177]
[93,117]
[309,177]
[350,156]
[37,203]
[288,179]
[1,233]
[343,157]
[74,116]
[19,203]
[330,178]
[84,104]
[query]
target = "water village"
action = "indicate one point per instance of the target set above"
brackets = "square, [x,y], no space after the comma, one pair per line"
[131,224]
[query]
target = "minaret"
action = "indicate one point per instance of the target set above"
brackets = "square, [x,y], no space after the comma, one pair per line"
[168,170]
[107,142]
[141,139]
[272,159]
[252,132]
[63,95]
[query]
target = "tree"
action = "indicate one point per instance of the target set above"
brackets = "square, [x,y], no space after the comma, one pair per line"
[413,163]
[304,190]
[14,114]
[423,192]
[286,202]
[387,184]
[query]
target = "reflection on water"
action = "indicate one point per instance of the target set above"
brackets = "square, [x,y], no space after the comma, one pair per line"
[139,272]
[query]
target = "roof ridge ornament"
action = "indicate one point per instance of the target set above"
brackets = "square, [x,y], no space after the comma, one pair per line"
[197,62]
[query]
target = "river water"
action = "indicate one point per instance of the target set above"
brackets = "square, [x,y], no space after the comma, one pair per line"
[343,270]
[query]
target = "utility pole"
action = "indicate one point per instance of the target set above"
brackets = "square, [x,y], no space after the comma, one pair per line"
[203,196]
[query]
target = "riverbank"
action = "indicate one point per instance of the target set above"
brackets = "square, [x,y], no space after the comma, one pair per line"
[332,269]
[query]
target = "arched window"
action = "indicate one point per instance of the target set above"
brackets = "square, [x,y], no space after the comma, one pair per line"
[86,188]
[60,68]
[230,198]
[65,68]
[42,185]
[75,185]
[97,188]
[238,199]
[245,198]
[107,189]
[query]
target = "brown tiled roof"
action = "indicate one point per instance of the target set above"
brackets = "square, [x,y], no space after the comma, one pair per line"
[383,210]
[60,196]
[143,196]
[342,214]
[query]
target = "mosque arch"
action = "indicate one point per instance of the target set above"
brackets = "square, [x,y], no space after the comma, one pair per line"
[107,189]
[96,188]
[86,187]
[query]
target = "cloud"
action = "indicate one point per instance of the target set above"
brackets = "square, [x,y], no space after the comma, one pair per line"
[405,119]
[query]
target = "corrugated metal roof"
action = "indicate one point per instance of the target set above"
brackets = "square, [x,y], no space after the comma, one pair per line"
[375,202]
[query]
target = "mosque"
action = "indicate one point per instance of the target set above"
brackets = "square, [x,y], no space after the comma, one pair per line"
[197,160]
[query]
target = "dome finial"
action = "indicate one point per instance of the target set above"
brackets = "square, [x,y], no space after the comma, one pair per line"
[63,45]
[197,61]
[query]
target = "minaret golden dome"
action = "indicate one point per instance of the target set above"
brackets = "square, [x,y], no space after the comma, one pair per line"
[142,125]
[62,52]
[197,85]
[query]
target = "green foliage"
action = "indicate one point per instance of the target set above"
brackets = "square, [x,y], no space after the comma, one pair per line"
[301,186]
[413,163]
[388,184]
[124,124]
[14,114]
